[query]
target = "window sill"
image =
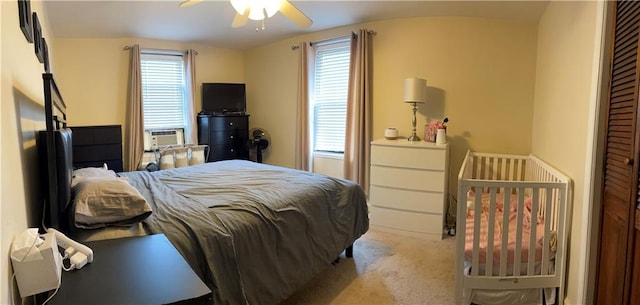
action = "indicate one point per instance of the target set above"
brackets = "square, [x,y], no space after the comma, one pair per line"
[328,155]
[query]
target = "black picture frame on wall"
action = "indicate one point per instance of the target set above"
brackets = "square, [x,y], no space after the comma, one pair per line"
[45,50]
[24,11]
[37,38]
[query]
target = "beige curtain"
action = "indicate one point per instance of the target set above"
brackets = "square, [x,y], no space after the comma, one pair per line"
[358,130]
[302,153]
[135,120]
[190,97]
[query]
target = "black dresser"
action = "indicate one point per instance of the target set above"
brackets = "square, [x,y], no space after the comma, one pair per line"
[226,135]
[95,145]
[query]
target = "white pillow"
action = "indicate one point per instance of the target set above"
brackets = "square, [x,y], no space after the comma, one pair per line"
[108,201]
[82,173]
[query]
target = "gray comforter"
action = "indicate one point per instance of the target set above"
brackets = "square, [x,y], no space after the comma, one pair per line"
[254,233]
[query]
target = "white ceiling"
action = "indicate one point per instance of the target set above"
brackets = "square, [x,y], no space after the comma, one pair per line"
[209,22]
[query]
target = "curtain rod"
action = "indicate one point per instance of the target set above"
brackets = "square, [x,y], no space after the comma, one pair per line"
[332,40]
[161,51]
[320,42]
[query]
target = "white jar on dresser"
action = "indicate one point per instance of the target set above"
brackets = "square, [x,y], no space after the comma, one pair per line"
[409,187]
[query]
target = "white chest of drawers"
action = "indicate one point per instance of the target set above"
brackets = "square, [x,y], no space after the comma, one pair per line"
[409,187]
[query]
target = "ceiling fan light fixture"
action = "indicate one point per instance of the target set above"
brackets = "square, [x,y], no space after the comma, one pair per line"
[256,12]
[272,7]
[261,9]
[258,9]
[240,6]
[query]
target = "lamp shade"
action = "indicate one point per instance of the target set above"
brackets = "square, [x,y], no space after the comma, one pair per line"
[415,90]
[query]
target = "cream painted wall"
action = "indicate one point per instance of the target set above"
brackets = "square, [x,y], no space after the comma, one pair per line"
[94,74]
[480,74]
[22,115]
[563,94]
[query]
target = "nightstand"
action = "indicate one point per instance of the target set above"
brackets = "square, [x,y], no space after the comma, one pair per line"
[133,270]
[409,187]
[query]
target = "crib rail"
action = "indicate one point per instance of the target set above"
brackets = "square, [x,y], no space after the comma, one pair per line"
[501,167]
[525,206]
[486,168]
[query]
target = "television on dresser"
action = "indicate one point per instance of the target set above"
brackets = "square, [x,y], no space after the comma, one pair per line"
[223,98]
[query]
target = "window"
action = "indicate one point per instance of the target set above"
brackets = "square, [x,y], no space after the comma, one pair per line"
[163,90]
[329,97]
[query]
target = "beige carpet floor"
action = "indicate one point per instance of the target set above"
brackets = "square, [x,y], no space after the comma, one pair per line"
[386,269]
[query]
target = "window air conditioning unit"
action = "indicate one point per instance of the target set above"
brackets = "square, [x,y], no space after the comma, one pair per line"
[161,138]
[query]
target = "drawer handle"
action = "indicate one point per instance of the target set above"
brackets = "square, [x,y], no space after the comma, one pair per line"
[230,137]
[230,123]
[232,150]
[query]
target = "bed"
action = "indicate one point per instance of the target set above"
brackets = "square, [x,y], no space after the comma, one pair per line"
[512,245]
[254,233]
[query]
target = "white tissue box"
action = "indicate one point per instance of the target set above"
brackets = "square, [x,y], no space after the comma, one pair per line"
[39,273]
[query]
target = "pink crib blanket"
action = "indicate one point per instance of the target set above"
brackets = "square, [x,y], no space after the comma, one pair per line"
[499,231]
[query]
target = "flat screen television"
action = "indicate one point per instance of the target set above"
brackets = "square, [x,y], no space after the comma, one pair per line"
[223,98]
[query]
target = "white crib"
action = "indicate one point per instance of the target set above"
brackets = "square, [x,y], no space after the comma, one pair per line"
[518,193]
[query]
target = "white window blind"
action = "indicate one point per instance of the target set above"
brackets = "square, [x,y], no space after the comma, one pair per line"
[163,90]
[330,85]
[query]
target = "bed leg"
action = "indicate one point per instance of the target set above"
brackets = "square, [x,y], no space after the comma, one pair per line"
[348,252]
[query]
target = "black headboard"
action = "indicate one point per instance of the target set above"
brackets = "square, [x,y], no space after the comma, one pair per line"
[56,157]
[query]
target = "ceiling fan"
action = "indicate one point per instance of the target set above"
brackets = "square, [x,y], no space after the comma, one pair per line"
[261,9]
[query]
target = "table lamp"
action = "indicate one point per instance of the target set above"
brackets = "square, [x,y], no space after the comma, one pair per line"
[414,93]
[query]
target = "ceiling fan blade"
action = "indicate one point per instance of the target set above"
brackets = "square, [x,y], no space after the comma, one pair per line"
[189,3]
[240,20]
[293,13]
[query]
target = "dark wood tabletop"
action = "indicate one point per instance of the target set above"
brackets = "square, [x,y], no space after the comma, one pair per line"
[133,270]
